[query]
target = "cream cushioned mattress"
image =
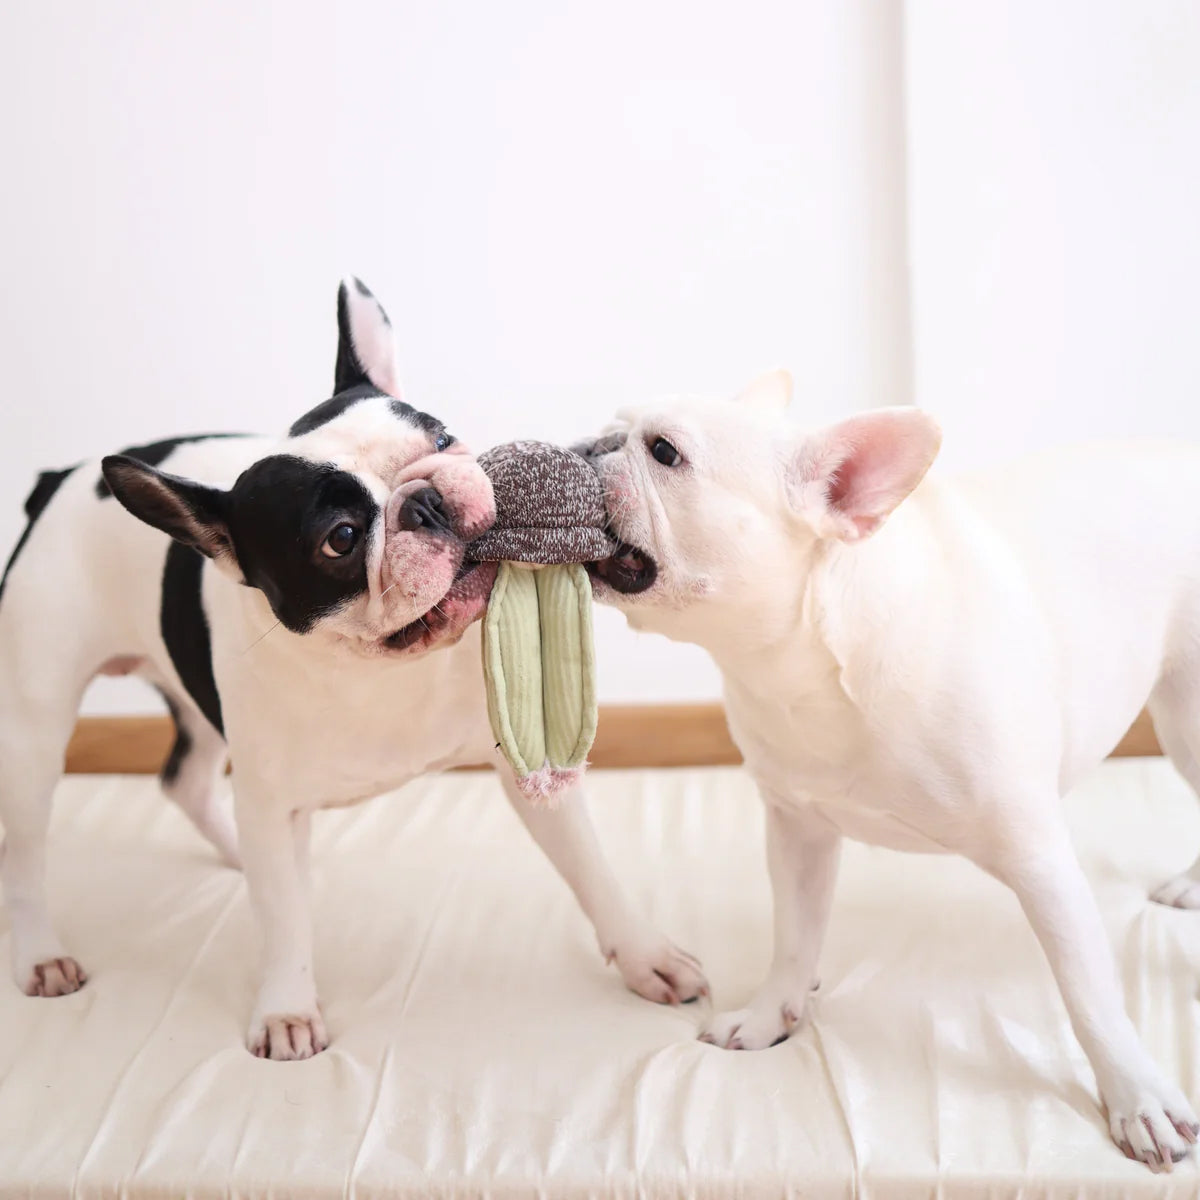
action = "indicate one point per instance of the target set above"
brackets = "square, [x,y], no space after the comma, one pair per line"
[481,1046]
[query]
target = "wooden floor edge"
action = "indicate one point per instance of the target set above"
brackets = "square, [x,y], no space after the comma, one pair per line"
[629,735]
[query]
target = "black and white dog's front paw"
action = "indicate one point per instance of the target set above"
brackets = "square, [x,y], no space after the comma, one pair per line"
[288,1037]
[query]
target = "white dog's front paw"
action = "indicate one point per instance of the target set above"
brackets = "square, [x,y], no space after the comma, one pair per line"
[287,1037]
[1181,892]
[655,968]
[764,1022]
[1151,1122]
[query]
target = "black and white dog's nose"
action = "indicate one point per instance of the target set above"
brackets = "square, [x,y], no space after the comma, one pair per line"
[425,510]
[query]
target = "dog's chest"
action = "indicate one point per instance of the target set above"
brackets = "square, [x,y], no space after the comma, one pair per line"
[808,739]
[329,738]
[379,753]
[818,754]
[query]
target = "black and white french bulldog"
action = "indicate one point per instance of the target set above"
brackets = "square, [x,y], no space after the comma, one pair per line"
[305,606]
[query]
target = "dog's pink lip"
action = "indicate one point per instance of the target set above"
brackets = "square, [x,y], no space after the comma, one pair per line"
[464,603]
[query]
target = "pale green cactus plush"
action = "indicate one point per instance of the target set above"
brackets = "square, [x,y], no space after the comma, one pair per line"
[538,655]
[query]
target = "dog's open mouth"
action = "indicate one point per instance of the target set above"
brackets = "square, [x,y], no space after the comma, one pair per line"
[463,603]
[630,570]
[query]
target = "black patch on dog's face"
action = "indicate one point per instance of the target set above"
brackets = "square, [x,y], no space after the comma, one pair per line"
[422,420]
[281,511]
[331,409]
[156,453]
[184,627]
[48,482]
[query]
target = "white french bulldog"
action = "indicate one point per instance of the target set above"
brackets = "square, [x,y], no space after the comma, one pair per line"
[923,664]
[305,605]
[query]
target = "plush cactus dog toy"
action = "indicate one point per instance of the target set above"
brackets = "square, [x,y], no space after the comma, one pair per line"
[538,658]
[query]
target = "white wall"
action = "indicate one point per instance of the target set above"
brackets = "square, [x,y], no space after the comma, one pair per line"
[563,207]
[1054,176]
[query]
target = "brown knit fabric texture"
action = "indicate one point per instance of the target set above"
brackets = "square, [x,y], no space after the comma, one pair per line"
[549,507]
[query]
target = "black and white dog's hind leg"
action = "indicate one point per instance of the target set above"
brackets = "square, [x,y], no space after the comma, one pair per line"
[47,650]
[68,613]
[194,777]
[35,727]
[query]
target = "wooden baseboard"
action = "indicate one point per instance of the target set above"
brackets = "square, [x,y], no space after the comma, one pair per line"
[630,735]
[119,745]
[1140,741]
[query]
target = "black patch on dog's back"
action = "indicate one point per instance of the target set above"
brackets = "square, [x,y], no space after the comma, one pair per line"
[155,453]
[48,482]
[184,627]
[281,511]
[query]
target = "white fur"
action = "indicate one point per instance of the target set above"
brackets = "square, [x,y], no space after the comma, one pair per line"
[928,664]
[374,342]
[314,720]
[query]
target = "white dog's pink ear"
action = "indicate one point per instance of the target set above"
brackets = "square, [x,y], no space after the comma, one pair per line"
[848,479]
[366,350]
[771,392]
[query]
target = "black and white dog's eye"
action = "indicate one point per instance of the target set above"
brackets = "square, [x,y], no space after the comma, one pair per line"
[340,542]
[443,441]
[665,453]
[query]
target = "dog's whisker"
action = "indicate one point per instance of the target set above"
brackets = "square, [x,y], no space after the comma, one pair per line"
[259,639]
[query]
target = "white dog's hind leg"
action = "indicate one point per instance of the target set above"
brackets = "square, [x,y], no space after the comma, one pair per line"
[802,857]
[649,963]
[194,777]
[1149,1117]
[1175,707]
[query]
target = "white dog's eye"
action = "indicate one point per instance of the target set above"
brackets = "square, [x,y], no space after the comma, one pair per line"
[665,453]
[443,441]
[340,542]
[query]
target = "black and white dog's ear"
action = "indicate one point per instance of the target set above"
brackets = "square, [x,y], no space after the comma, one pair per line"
[366,350]
[192,513]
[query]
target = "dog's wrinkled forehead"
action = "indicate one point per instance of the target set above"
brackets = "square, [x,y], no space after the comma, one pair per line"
[367,432]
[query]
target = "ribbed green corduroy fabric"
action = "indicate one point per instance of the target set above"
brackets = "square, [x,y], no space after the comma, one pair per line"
[540,666]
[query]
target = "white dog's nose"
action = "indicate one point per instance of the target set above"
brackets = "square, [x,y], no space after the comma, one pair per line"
[609,443]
